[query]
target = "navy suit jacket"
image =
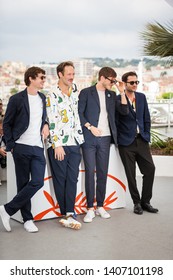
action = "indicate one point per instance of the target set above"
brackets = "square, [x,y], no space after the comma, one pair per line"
[16,120]
[89,111]
[126,125]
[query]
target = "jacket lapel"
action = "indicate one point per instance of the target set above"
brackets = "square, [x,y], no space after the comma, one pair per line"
[25,100]
[95,95]
[108,99]
[137,102]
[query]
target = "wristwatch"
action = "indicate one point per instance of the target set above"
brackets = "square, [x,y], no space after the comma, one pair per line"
[89,127]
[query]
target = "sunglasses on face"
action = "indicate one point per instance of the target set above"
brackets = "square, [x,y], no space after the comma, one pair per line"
[133,82]
[112,81]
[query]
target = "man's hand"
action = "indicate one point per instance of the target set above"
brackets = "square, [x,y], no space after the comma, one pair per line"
[59,153]
[45,131]
[3,152]
[120,86]
[95,131]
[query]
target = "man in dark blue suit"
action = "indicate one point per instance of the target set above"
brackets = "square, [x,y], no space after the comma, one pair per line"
[25,128]
[133,143]
[97,105]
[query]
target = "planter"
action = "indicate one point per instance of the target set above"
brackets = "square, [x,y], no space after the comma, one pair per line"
[163,164]
[162,152]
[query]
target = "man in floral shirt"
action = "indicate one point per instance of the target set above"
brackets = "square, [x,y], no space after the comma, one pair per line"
[65,139]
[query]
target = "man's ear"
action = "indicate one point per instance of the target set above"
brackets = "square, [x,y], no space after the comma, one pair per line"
[60,74]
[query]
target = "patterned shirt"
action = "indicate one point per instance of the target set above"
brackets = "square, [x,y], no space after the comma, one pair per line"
[64,122]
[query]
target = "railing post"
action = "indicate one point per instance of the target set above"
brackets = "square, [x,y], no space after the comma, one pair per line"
[169,113]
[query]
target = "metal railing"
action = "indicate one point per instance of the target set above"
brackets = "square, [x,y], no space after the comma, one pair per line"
[161,113]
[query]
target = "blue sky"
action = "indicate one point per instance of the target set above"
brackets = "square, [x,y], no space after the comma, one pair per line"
[54,30]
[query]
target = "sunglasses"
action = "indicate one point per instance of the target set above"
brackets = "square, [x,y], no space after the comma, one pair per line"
[112,81]
[43,77]
[133,82]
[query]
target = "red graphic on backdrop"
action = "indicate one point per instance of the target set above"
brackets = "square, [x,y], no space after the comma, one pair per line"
[80,202]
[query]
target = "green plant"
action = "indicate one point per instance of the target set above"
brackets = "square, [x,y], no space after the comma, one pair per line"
[13,91]
[167,95]
[161,146]
[157,139]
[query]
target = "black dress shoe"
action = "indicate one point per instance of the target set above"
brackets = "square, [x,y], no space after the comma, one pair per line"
[147,207]
[138,209]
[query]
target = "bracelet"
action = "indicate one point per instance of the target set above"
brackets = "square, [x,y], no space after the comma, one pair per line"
[122,94]
[89,127]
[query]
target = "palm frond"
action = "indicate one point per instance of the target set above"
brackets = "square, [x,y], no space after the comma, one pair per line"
[157,139]
[158,40]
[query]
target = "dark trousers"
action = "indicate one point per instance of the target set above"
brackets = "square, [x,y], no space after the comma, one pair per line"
[65,177]
[30,168]
[139,152]
[96,156]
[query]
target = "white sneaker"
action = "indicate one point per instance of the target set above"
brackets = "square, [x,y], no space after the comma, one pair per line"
[5,218]
[89,216]
[102,212]
[70,222]
[30,227]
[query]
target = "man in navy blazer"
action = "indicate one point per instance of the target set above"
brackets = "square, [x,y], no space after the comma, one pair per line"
[97,105]
[25,127]
[17,117]
[133,143]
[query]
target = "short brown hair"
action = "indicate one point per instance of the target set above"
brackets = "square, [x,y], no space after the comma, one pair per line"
[33,73]
[127,74]
[107,72]
[62,65]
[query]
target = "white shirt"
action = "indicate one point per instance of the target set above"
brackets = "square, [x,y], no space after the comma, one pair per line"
[32,136]
[103,123]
